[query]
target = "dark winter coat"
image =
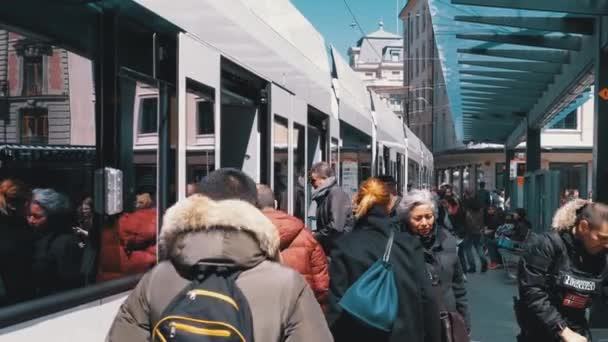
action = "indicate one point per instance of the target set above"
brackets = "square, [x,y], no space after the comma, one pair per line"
[16,248]
[418,315]
[300,251]
[334,215]
[543,259]
[441,256]
[56,263]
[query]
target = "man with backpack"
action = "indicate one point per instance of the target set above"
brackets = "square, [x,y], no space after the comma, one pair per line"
[221,277]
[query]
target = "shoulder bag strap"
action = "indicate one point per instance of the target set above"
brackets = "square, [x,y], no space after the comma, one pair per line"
[389,246]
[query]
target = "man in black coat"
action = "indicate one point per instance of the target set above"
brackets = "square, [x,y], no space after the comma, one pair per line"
[331,206]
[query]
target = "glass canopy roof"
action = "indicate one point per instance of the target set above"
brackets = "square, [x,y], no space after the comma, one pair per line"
[498,63]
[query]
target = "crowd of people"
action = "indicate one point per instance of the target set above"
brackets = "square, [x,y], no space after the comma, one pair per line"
[382,266]
[294,276]
[45,245]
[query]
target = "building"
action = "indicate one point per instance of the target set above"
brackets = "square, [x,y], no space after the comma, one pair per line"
[420,66]
[378,59]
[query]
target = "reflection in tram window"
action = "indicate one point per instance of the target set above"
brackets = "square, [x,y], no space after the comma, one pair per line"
[47,158]
[281,162]
[128,243]
[335,155]
[299,169]
[200,138]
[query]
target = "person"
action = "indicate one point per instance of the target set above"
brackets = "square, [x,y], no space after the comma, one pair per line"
[223,223]
[418,316]
[440,252]
[391,184]
[57,255]
[562,272]
[143,201]
[457,216]
[493,219]
[472,242]
[522,227]
[191,189]
[483,197]
[299,249]
[331,206]
[16,241]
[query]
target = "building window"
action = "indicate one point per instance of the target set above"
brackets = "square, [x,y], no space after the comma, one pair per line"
[423,57]
[34,126]
[568,122]
[205,121]
[32,76]
[396,73]
[417,24]
[395,56]
[148,115]
[369,74]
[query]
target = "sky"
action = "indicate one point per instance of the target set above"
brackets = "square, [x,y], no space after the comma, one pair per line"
[332,19]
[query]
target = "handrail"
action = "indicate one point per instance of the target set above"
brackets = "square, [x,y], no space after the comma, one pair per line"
[40,307]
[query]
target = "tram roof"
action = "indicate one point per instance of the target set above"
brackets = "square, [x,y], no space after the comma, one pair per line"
[273,40]
[509,64]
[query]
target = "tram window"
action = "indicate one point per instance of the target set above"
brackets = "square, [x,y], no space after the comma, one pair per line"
[128,240]
[299,169]
[148,115]
[205,122]
[281,161]
[47,154]
[200,141]
[570,121]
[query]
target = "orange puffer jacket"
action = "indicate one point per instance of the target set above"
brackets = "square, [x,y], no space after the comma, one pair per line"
[300,251]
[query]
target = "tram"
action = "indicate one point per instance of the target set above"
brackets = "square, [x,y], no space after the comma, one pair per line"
[108,100]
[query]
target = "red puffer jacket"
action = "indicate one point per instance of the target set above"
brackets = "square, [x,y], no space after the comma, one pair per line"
[137,233]
[302,252]
[130,247]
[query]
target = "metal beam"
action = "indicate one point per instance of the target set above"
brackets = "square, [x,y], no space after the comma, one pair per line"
[534,67]
[492,108]
[498,95]
[506,84]
[570,77]
[562,43]
[498,99]
[498,102]
[500,90]
[578,25]
[530,55]
[511,75]
[589,7]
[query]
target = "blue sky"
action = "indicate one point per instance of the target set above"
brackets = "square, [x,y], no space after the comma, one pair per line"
[333,20]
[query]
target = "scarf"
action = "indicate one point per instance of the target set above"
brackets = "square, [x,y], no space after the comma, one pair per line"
[316,196]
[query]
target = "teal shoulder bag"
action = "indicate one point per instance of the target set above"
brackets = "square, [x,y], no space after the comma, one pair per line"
[373,297]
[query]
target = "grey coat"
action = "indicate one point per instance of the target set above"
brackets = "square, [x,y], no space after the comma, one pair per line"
[334,215]
[442,259]
[282,305]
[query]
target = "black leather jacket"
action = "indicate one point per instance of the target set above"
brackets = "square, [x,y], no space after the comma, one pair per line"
[558,280]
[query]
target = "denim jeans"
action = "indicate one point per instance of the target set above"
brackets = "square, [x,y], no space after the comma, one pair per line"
[472,243]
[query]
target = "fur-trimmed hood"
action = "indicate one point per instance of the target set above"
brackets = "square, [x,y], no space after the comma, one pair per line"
[198,213]
[565,217]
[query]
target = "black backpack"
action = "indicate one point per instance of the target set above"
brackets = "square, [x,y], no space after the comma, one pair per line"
[210,308]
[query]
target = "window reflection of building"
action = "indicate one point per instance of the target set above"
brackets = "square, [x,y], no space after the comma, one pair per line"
[281,176]
[34,126]
[148,113]
[299,169]
[205,123]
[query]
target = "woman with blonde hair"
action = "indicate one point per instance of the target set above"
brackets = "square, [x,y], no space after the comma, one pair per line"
[417,316]
[561,274]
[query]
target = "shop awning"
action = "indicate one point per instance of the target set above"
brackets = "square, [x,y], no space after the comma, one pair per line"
[49,153]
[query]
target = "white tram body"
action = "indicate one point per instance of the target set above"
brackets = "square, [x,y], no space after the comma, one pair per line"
[314,105]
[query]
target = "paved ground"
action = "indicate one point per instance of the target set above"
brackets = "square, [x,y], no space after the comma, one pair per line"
[491,304]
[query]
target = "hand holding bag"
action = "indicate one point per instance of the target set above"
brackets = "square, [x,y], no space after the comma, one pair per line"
[373,298]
